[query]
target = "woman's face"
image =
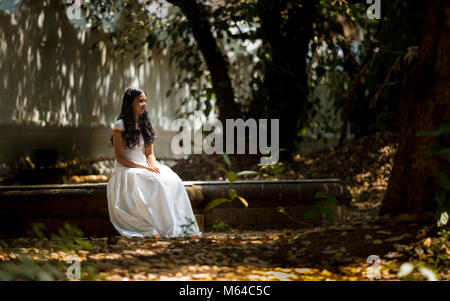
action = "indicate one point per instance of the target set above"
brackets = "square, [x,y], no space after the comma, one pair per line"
[139,104]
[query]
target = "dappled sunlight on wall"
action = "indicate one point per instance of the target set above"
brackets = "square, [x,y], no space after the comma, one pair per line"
[52,77]
[57,91]
[43,67]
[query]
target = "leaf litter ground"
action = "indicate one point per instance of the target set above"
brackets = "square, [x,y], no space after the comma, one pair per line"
[329,252]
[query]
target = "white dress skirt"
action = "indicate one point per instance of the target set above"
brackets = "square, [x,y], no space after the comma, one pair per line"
[143,203]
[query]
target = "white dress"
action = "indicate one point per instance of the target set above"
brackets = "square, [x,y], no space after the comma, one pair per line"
[144,203]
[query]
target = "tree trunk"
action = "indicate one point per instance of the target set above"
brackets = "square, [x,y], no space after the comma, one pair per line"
[216,62]
[425,105]
[286,30]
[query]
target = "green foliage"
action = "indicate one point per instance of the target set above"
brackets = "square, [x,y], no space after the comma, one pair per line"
[327,74]
[232,193]
[220,225]
[361,71]
[444,129]
[36,230]
[70,237]
[24,267]
[442,259]
[172,36]
[227,160]
[216,202]
[272,171]
[439,255]
[353,64]
[324,209]
[27,268]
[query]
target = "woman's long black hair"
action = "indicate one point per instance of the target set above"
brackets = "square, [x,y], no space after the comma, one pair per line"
[131,134]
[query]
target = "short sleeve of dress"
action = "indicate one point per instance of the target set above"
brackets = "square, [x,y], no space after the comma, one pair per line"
[118,125]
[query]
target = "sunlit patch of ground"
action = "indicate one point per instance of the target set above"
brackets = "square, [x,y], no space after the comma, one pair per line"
[337,252]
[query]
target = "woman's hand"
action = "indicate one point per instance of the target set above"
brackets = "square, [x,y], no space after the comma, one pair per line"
[151,161]
[153,168]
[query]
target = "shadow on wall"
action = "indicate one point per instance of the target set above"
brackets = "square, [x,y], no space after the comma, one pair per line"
[56,89]
[45,74]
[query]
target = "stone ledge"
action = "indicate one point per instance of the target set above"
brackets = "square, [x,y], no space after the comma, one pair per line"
[85,205]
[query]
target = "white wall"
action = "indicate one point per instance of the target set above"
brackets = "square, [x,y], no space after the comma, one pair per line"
[56,93]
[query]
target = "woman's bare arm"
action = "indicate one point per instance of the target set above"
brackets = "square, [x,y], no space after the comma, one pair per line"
[150,155]
[118,151]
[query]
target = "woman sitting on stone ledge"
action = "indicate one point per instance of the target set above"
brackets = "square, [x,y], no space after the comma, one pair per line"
[145,197]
